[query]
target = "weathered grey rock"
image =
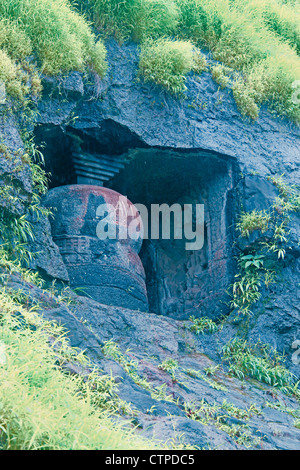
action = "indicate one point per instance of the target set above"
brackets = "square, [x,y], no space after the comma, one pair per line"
[123,113]
[46,256]
[129,113]
[146,340]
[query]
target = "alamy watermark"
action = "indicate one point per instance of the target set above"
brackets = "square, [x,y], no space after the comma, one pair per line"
[161,221]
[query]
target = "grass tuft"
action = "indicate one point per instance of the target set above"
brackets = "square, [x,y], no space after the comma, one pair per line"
[137,19]
[167,63]
[50,32]
[42,407]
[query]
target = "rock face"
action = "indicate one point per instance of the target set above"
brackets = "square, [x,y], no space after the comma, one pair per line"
[196,150]
[91,226]
[237,414]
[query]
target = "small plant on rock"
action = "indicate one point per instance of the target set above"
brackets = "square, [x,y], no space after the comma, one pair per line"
[203,325]
[170,366]
[251,221]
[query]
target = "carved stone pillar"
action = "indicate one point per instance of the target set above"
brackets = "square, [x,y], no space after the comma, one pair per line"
[108,270]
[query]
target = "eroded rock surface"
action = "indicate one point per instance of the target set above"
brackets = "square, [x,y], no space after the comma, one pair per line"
[238,414]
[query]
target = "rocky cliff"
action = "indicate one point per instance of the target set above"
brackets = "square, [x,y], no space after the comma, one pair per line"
[140,141]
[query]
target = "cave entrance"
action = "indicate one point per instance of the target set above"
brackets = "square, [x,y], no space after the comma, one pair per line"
[180,283]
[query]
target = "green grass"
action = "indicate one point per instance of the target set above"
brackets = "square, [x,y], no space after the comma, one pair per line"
[41,407]
[59,39]
[167,63]
[216,415]
[260,362]
[137,19]
[131,367]
[282,18]
[257,39]
[238,37]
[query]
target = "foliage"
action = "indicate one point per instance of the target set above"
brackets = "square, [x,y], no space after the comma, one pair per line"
[252,37]
[251,221]
[41,406]
[15,228]
[283,18]
[255,41]
[238,37]
[167,63]
[258,266]
[208,371]
[203,325]
[217,415]
[50,30]
[221,74]
[111,349]
[289,200]
[170,366]
[139,19]
[246,292]
[258,361]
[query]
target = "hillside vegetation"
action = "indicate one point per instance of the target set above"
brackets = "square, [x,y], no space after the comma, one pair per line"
[44,36]
[41,407]
[256,41]
[249,46]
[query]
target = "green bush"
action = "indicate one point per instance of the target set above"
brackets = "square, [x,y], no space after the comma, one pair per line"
[139,19]
[60,37]
[167,63]
[41,407]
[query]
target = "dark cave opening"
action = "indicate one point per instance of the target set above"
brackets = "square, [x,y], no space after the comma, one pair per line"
[103,152]
[180,283]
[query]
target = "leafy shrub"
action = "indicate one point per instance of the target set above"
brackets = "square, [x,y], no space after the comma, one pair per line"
[139,19]
[167,63]
[60,40]
[258,361]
